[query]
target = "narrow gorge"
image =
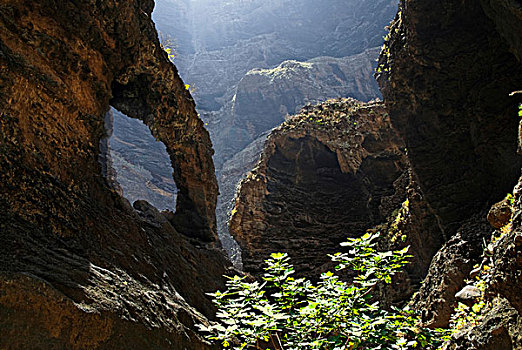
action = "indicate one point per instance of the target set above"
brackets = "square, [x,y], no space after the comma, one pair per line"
[120,212]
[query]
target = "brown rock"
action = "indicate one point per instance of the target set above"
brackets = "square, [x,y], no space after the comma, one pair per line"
[326,174]
[460,129]
[507,258]
[448,271]
[446,73]
[498,330]
[79,268]
[500,214]
[468,295]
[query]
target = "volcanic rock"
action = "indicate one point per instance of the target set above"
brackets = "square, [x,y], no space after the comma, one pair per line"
[325,174]
[79,268]
[447,72]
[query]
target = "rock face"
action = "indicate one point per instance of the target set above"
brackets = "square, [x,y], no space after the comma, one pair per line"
[447,73]
[507,258]
[325,174]
[228,52]
[264,97]
[499,330]
[69,243]
[449,270]
[227,39]
[233,171]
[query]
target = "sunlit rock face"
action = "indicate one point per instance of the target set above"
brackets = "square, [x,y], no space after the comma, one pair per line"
[230,38]
[79,267]
[330,172]
[265,97]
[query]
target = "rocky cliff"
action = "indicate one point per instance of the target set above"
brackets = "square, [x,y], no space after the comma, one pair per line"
[325,174]
[219,45]
[450,74]
[265,97]
[447,73]
[221,48]
[229,38]
[80,268]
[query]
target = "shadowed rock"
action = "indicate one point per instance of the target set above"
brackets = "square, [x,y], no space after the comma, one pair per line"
[97,274]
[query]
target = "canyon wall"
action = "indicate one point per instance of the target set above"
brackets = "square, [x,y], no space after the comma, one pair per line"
[325,174]
[220,41]
[447,75]
[79,267]
[239,58]
[450,74]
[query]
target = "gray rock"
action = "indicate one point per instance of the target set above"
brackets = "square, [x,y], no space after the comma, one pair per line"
[468,295]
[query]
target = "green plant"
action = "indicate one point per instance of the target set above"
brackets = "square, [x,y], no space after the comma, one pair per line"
[465,316]
[395,233]
[284,312]
[509,197]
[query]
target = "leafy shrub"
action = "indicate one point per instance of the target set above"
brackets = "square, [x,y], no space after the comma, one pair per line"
[284,312]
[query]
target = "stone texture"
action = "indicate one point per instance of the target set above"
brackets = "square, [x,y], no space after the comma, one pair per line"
[468,295]
[447,72]
[507,16]
[219,41]
[231,174]
[265,97]
[446,75]
[448,271]
[500,214]
[98,72]
[325,174]
[69,243]
[499,330]
[507,258]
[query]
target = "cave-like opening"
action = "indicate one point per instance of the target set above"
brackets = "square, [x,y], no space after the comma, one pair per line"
[141,164]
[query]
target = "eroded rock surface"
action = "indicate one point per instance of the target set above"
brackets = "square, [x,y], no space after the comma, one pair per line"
[265,97]
[325,174]
[69,243]
[219,41]
[447,73]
